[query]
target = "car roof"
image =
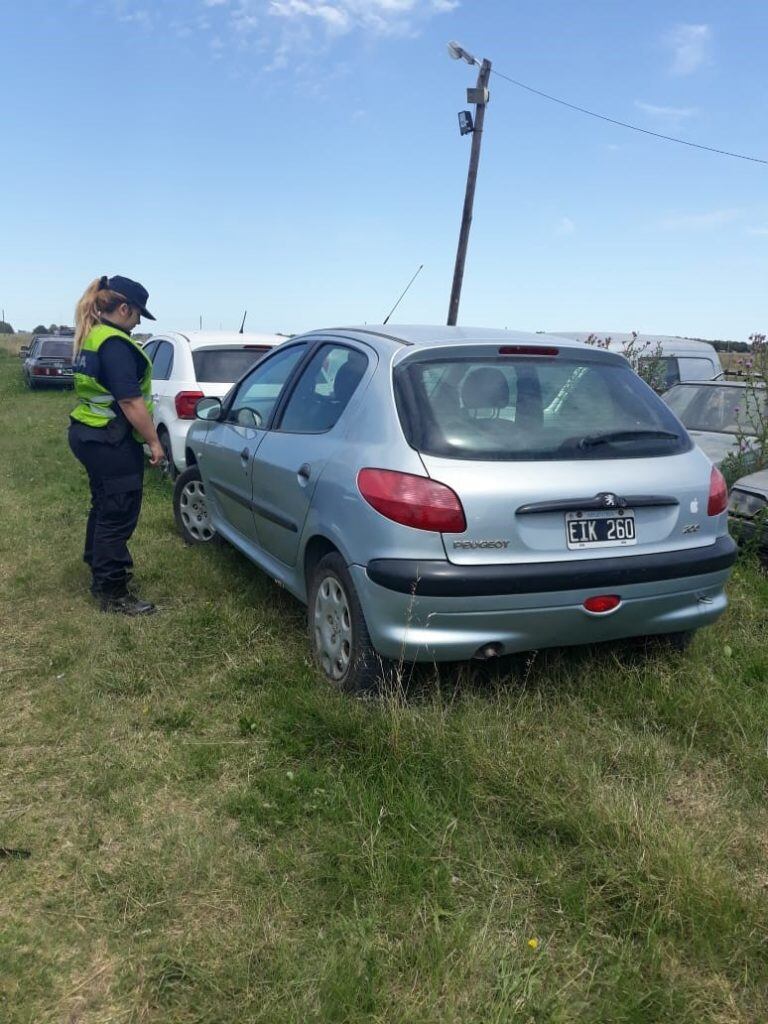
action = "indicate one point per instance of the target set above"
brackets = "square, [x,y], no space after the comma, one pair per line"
[209,339]
[440,334]
[668,341]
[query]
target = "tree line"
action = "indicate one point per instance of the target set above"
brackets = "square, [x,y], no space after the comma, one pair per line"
[6,328]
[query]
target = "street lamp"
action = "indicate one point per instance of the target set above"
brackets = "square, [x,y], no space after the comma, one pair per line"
[479,96]
[459,53]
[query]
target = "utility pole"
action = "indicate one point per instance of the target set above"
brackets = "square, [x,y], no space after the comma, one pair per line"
[478,96]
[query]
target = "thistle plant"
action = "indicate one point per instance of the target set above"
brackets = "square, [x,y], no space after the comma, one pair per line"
[645,358]
[751,414]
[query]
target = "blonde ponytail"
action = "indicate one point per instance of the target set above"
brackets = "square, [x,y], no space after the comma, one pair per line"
[97,298]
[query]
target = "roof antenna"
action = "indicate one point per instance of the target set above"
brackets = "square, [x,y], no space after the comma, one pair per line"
[389,314]
[242,325]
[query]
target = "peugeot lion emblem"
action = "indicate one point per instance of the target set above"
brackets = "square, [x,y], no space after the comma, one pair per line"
[609,500]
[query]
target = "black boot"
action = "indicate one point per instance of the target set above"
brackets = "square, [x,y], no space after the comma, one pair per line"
[126,604]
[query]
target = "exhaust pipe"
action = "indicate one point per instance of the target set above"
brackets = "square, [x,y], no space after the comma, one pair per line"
[487,651]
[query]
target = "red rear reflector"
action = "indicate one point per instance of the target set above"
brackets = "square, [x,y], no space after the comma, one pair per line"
[412,500]
[185,402]
[602,603]
[718,493]
[528,350]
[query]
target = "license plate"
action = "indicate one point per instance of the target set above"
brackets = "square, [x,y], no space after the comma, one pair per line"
[607,529]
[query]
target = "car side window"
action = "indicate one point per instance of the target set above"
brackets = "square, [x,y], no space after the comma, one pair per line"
[150,348]
[323,390]
[163,361]
[694,368]
[260,392]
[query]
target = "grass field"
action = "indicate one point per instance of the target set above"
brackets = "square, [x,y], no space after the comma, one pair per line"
[217,837]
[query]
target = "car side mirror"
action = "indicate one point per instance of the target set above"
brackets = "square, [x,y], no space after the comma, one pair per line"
[23,351]
[249,418]
[208,409]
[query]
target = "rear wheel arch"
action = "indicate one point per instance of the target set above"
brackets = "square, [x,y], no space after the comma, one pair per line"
[316,549]
[190,458]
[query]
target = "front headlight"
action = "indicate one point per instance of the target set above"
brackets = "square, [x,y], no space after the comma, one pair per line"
[745,504]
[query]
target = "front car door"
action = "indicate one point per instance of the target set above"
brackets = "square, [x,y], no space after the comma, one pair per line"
[291,457]
[231,443]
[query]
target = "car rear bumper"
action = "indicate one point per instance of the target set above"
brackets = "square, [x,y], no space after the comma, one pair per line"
[177,431]
[433,578]
[424,626]
[53,382]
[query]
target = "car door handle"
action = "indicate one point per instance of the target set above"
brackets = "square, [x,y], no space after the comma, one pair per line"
[245,454]
[304,471]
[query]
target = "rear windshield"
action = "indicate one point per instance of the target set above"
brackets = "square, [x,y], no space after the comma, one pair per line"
[55,349]
[722,410]
[528,409]
[225,365]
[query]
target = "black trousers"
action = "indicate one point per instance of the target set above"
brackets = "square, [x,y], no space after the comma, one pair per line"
[115,471]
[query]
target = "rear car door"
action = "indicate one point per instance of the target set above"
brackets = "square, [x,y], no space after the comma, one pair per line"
[162,387]
[30,357]
[232,443]
[291,457]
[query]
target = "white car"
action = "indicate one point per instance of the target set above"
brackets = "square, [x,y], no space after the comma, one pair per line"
[682,359]
[193,365]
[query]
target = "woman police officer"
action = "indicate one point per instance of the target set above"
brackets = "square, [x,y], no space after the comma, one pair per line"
[113,383]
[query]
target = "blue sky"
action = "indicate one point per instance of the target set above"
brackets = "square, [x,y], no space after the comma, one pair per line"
[301,158]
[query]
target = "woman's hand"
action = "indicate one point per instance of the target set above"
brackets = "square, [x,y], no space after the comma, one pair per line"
[156,453]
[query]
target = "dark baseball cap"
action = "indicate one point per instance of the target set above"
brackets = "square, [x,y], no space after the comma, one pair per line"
[134,292]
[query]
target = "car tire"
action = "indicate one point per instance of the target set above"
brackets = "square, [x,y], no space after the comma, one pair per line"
[165,442]
[31,384]
[190,509]
[338,633]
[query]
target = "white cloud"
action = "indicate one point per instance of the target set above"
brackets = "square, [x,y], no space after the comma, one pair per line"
[377,17]
[565,226]
[674,114]
[701,221]
[690,47]
[281,30]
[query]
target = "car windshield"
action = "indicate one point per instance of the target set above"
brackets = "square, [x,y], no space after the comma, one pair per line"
[225,365]
[532,408]
[718,409]
[55,349]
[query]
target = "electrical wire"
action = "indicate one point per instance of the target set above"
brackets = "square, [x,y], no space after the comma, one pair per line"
[625,124]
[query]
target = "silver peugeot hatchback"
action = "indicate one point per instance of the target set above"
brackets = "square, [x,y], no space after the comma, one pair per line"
[446,493]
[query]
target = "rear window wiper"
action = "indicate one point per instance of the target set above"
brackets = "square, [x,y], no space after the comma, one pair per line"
[592,440]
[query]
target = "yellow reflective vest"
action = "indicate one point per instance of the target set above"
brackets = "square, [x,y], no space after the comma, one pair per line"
[95,405]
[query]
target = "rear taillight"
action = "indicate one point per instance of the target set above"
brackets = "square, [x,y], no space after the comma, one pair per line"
[412,500]
[185,402]
[718,493]
[602,603]
[39,371]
